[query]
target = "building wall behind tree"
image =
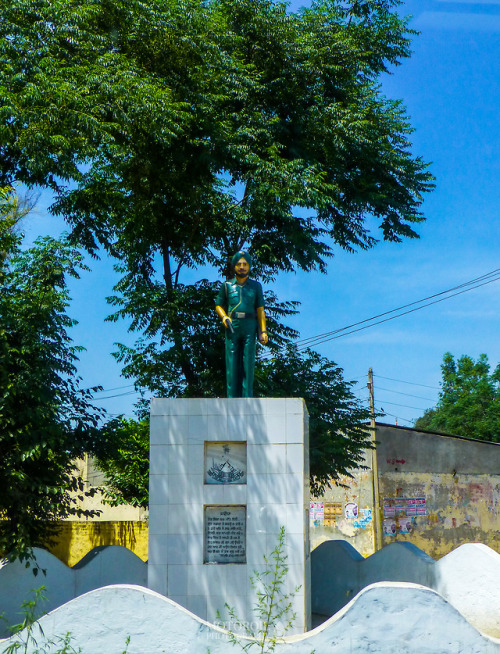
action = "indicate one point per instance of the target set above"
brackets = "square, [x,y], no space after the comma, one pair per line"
[124,525]
[346,512]
[436,491]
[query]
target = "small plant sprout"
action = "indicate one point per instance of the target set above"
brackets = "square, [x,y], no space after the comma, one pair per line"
[273,610]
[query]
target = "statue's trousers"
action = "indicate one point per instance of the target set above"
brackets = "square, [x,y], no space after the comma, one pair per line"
[240,357]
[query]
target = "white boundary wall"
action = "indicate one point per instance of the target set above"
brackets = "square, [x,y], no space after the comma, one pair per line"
[386,618]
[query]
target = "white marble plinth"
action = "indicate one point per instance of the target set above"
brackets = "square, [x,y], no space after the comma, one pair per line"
[196,487]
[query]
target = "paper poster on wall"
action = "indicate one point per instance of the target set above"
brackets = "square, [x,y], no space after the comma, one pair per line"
[316,513]
[389,511]
[365,518]
[420,505]
[404,507]
[332,511]
[405,526]
[351,510]
[390,527]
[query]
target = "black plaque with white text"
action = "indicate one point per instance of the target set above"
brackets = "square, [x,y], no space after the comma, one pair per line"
[225,534]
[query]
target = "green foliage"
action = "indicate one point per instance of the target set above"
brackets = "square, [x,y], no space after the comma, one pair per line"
[46,420]
[8,201]
[190,130]
[279,111]
[123,455]
[338,437]
[273,609]
[67,89]
[28,633]
[469,402]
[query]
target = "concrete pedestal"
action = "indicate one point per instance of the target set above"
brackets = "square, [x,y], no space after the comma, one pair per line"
[225,476]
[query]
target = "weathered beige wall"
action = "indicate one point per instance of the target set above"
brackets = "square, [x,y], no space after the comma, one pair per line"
[357,530]
[456,480]
[460,509]
[75,539]
[121,525]
[94,478]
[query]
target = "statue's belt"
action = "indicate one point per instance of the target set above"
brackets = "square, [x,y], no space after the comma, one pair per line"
[241,314]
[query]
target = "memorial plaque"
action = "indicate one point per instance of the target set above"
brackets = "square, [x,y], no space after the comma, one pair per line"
[225,534]
[225,462]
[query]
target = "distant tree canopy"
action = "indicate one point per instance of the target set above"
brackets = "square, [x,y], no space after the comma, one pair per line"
[174,133]
[469,402]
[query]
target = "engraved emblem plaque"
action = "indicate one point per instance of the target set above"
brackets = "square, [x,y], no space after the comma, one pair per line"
[225,462]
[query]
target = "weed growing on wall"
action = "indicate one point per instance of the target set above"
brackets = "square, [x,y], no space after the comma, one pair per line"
[273,611]
[28,636]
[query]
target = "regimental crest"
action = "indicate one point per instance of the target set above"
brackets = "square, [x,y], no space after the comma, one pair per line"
[225,473]
[225,463]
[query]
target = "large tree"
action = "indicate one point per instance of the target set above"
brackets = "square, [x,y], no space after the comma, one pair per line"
[46,420]
[469,401]
[204,126]
[191,129]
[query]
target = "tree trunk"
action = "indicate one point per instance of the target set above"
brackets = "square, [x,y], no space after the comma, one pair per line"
[185,364]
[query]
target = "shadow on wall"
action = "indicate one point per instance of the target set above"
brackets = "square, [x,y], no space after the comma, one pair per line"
[468,577]
[101,567]
[75,539]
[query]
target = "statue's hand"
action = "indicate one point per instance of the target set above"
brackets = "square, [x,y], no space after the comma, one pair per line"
[263,338]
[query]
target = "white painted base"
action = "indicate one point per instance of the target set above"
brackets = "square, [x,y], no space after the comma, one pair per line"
[276,494]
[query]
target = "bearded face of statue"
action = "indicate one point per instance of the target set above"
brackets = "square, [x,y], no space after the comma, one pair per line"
[242,269]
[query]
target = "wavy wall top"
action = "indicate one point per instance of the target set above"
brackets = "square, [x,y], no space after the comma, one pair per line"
[102,566]
[468,577]
[385,618]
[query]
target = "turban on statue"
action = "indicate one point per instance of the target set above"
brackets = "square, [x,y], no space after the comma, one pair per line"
[241,255]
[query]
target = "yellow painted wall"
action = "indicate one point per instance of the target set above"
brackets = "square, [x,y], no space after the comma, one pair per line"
[460,508]
[76,539]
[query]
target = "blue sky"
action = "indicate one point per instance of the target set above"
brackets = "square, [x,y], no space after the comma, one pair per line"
[451,90]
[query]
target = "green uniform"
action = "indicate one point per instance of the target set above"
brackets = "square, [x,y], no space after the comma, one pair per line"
[240,301]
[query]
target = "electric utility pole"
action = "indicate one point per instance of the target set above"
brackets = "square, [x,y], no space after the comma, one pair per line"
[377,526]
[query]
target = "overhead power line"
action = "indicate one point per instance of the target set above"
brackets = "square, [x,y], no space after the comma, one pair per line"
[405,406]
[399,418]
[482,280]
[110,397]
[402,381]
[419,397]
[118,388]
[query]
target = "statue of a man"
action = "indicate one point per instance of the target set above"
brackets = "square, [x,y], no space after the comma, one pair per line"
[240,304]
